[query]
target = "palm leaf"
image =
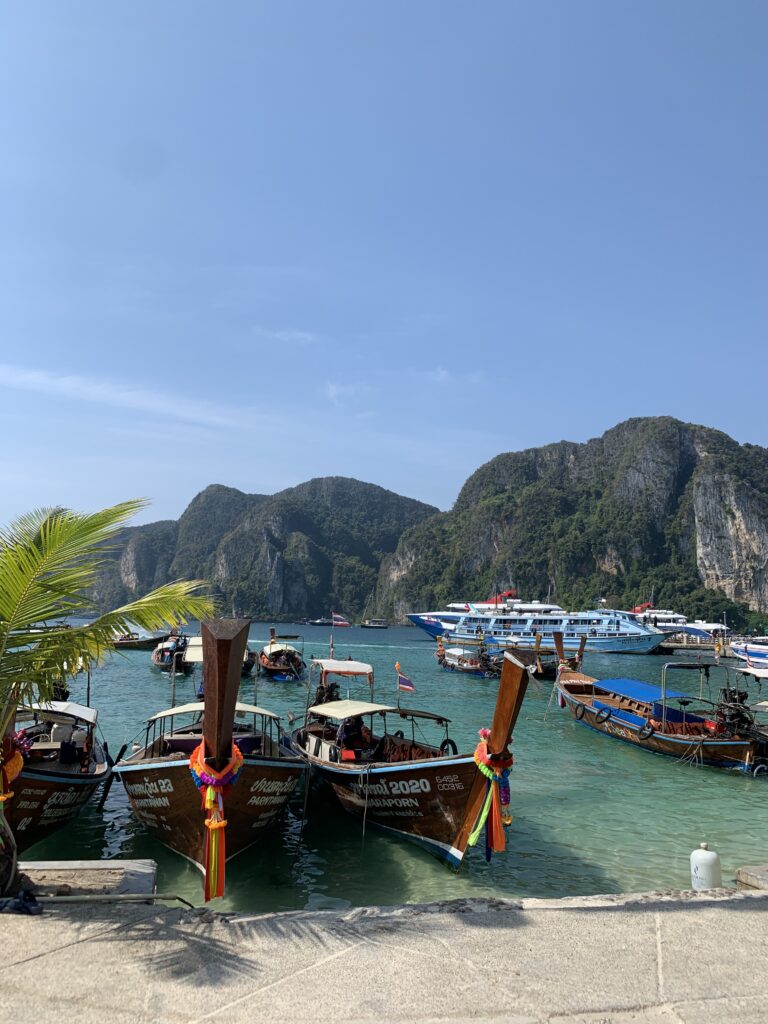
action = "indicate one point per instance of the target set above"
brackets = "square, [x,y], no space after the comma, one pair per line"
[49,561]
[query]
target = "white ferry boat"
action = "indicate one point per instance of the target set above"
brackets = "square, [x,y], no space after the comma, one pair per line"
[605,629]
[436,624]
[673,622]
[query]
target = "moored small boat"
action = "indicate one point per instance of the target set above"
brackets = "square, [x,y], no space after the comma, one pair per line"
[422,791]
[280,660]
[723,733]
[474,657]
[136,642]
[229,752]
[64,764]
[170,656]
[374,624]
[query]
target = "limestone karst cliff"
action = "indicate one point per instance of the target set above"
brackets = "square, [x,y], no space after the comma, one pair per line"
[654,506]
[301,552]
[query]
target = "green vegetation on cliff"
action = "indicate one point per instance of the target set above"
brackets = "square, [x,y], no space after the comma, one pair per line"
[654,507]
[301,552]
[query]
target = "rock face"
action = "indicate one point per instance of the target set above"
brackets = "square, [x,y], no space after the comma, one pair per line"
[653,507]
[303,552]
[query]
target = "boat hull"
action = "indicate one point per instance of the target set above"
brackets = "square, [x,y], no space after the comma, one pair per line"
[424,802]
[142,643]
[45,801]
[733,753]
[167,802]
[434,626]
[622,644]
[757,653]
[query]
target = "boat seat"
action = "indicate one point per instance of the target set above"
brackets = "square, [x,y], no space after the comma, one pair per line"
[61,732]
[395,749]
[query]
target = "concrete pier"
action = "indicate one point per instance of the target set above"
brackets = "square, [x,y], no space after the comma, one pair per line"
[90,877]
[654,958]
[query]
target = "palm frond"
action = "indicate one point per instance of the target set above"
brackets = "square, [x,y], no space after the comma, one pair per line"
[49,560]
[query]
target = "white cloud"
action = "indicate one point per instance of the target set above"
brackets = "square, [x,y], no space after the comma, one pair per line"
[439,375]
[288,335]
[335,392]
[99,391]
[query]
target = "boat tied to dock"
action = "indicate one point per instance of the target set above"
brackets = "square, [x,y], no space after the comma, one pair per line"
[723,733]
[426,792]
[228,754]
[62,765]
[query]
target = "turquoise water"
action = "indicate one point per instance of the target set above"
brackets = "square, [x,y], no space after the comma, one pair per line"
[592,815]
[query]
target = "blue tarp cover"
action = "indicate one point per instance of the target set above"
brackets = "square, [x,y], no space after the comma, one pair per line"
[636,690]
[621,714]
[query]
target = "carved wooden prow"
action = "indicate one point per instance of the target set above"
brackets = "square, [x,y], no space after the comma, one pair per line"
[224,642]
[536,649]
[580,655]
[558,638]
[512,687]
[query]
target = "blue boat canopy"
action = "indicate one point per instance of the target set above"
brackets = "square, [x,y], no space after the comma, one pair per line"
[636,690]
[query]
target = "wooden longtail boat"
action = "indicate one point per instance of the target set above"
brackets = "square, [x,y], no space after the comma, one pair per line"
[474,657]
[722,733]
[426,793]
[64,764]
[135,642]
[170,656]
[280,660]
[229,752]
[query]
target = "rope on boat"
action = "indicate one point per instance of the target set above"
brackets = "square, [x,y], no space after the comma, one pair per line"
[551,698]
[365,809]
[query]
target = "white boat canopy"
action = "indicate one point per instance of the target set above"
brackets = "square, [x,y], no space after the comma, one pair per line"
[65,708]
[189,709]
[338,710]
[275,648]
[332,666]
[193,652]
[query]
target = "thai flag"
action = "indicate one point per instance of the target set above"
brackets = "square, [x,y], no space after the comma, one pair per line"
[403,682]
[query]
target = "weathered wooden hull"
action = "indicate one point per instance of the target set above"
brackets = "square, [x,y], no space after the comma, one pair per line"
[142,643]
[166,801]
[422,801]
[719,753]
[45,801]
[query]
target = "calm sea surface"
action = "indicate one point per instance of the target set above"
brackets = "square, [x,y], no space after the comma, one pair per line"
[591,814]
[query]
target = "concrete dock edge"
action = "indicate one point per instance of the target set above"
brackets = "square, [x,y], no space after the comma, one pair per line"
[671,957]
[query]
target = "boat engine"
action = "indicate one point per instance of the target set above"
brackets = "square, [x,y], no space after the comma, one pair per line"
[732,695]
[732,711]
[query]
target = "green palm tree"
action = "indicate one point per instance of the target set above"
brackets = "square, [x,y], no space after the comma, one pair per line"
[49,562]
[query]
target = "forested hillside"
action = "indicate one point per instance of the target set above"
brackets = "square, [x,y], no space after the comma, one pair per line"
[654,507]
[301,552]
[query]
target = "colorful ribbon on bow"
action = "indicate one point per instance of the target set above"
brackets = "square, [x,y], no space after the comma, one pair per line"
[10,768]
[212,785]
[495,812]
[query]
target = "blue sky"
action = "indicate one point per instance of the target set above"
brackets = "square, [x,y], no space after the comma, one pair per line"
[252,243]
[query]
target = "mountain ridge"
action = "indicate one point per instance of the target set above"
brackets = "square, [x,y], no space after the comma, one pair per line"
[653,506]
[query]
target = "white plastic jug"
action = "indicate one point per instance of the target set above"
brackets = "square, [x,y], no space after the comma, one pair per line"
[705,869]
